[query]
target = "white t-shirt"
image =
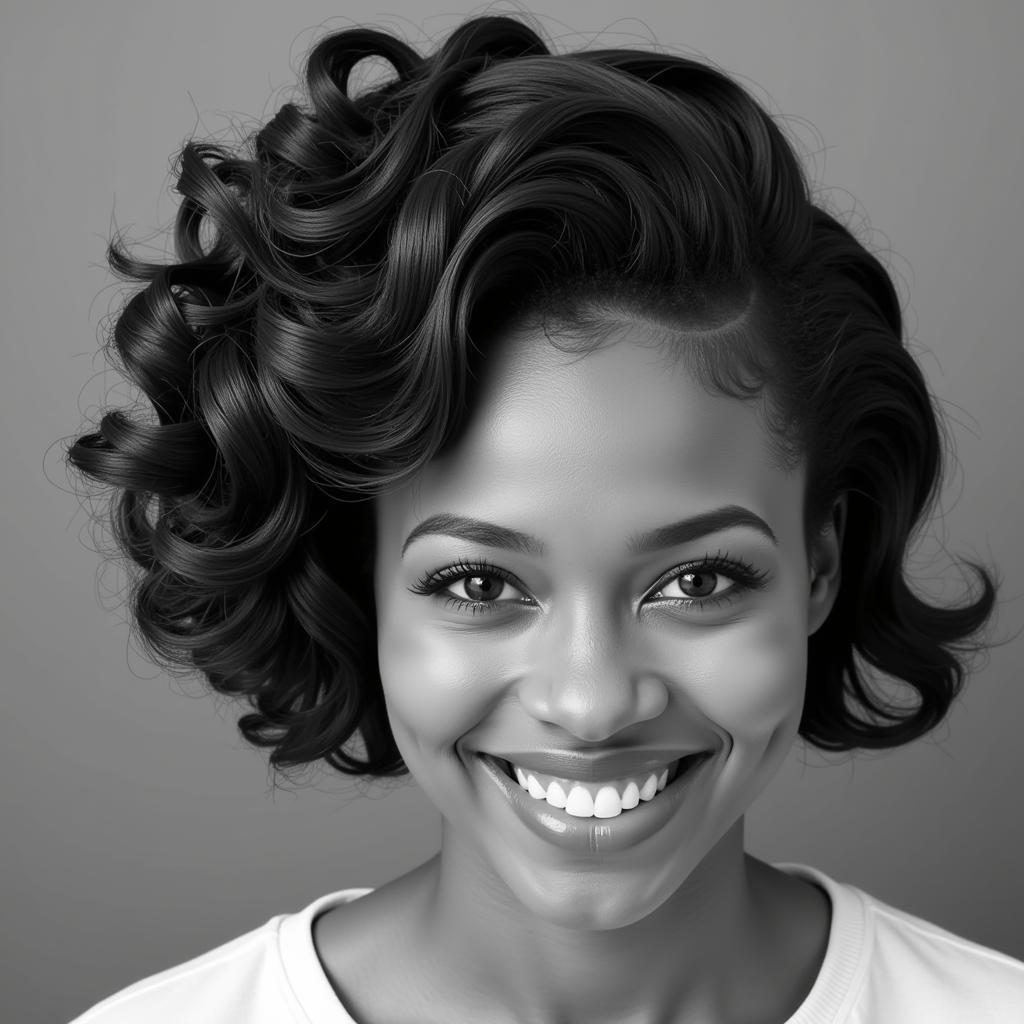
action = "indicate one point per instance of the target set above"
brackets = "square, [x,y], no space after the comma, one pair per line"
[882,966]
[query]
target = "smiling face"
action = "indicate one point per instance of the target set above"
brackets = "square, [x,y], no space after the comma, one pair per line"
[582,625]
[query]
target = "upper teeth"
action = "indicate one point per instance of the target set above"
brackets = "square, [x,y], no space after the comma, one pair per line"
[592,799]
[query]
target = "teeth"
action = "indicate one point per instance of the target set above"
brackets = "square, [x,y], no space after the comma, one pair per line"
[556,796]
[580,803]
[607,803]
[593,800]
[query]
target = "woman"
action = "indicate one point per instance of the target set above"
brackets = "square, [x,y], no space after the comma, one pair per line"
[522,424]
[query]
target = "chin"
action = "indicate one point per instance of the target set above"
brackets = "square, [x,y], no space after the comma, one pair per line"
[586,898]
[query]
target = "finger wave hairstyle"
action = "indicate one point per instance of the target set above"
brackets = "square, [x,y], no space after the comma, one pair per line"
[339,274]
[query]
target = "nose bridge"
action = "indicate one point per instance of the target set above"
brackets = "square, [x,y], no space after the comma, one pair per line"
[588,640]
[585,677]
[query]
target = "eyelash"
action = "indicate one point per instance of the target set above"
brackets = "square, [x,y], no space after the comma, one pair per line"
[744,576]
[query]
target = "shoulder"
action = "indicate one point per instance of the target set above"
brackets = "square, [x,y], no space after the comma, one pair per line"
[206,988]
[884,964]
[269,975]
[940,976]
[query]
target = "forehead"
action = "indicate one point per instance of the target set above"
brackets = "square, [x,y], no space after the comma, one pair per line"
[620,432]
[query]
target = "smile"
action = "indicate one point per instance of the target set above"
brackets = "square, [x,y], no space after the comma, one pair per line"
[592,833]
[607,799]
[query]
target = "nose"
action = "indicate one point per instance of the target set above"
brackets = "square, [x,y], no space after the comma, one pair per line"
[584,677]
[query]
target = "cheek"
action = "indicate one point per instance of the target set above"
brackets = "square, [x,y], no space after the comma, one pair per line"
[750,678]
[437,685]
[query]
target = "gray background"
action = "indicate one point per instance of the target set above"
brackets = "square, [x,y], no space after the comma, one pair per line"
[138,831]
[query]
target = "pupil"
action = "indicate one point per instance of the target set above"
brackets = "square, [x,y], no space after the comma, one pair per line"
[481,588]
[698,584]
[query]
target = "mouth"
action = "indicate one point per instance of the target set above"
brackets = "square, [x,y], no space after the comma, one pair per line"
[607,826]
[598,799]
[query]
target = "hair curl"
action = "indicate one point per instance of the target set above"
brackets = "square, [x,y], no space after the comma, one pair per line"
[339,275]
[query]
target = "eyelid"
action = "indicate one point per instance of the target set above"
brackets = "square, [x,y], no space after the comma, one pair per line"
[742,573]
[435,582]
[719,563]
[525,597]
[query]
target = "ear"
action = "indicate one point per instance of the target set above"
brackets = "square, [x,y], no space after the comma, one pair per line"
[825,557]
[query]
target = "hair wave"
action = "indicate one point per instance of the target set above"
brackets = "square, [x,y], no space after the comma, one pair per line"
[339,274]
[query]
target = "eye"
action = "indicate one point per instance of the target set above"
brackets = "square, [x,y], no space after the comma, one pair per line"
[483,588]
[473,587]
[479,587]
[694,584]
[708,582]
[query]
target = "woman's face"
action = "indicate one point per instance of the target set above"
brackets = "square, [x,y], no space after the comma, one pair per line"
[617,567]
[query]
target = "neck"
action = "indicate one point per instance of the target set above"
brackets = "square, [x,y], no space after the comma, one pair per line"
[679,962]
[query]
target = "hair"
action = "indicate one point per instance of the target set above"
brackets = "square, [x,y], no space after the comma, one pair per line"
[340,274]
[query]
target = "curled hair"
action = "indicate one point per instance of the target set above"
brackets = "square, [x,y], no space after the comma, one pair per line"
[340,274]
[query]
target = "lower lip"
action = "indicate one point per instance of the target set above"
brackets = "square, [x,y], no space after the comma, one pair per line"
[594,835]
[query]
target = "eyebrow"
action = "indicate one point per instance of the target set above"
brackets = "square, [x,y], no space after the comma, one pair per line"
[682,532]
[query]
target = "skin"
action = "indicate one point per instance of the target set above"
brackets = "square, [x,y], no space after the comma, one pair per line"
[591,645]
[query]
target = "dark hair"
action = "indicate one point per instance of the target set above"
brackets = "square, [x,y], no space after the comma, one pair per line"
[340,273]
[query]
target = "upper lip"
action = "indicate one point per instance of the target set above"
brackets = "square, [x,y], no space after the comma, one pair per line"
[590,765]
